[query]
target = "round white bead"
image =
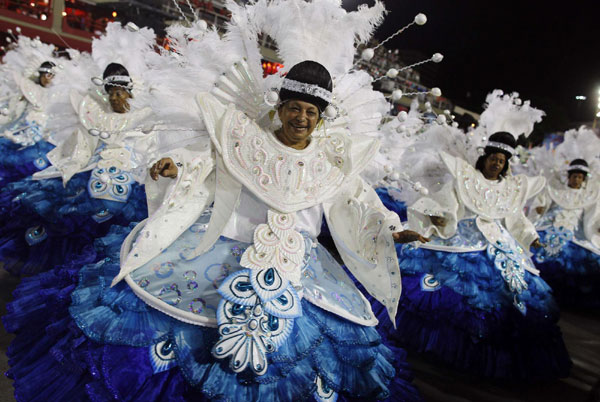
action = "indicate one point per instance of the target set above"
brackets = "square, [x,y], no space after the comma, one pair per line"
[105,178]
[420,19]
[367,54]
[104,135]
[271,98]
[436,92]
[392,73]
[131,27]
[402,116]
[397,95]
[330,112]
[437,57]
[202,25]
[441,119]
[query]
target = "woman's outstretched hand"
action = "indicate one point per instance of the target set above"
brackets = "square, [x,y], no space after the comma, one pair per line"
[165,168]
[407,236]
[536,244]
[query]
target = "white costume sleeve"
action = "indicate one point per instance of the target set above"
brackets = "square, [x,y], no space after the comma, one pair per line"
[541,200]
[362,229]
[591,224]
[517,224]
[521,228]
[444,204]
[185,200]
[73,155]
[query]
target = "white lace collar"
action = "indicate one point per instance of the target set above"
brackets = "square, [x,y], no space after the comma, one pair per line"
[93,115]
[489,198]
[570,198]
[285,178]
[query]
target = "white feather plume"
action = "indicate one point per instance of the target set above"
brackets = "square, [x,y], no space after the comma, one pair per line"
[131,49]
[578,144]
[319,30]
[508,113]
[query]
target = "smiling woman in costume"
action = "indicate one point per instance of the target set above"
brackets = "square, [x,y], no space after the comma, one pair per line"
[472,296]
[24,141]
[240,301]
[567,216]
[91,181]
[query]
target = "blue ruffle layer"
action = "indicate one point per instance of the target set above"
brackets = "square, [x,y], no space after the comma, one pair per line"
[18,162]
[390,203]
[574,275]
[470,322]
[112,361]
[62,217]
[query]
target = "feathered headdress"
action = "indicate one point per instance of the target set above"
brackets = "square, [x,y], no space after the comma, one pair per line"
[508,113]
[578,144]
[129,46]
[319,30]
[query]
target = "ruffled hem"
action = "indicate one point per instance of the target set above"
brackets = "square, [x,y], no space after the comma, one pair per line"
[574,275]
[18,163]
[390,203]
[107,343]
[46,224]
[475,276]
[465,318]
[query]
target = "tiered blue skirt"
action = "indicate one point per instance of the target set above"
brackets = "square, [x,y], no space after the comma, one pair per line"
[79,339]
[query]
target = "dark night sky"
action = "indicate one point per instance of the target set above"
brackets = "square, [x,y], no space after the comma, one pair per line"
[548,51]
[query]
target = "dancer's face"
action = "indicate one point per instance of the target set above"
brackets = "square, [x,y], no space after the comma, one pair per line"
[299,120]
[493,165]
[119,99]
[576,180]
[46,79]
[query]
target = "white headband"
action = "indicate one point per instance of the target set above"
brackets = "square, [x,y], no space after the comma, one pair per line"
[502,146]
[579,167]
[46,70]
[113,79]
[118,78]
[308,89]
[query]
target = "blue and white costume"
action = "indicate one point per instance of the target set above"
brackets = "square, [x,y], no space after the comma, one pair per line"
[24,141]
[239,301]
[570,259]
[472,297]
[94,177]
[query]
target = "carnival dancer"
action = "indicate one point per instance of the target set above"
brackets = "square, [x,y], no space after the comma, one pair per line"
[472,297]
[192,277]
[24,141]
[566,216]
[95,174]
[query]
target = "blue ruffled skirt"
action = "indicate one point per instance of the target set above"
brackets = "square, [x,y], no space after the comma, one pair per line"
[391,203]
[573,272]
[79,339]
[45,223]
[18,162]
[457,309]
